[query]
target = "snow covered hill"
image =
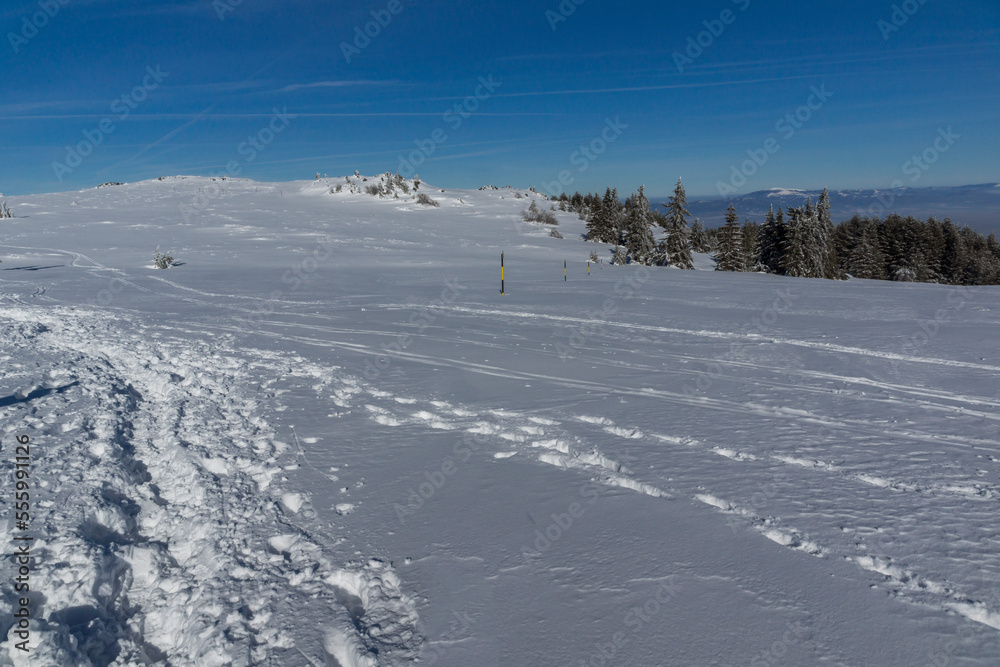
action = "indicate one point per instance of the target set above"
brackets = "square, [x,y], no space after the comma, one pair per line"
[325,437]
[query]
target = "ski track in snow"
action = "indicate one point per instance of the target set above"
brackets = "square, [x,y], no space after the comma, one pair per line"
[170,479]
[680,398]
[704,333]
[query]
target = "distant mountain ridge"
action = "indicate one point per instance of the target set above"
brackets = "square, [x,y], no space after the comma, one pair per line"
[977,206]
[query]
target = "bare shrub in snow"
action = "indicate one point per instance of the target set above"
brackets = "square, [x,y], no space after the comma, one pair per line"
[5,211]
[163,260]
[535,214]
[426,201]
[555,234]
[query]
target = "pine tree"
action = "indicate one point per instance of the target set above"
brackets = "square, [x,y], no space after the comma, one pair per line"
[729,256]
[638,232]
[750,246]
[815,243]
[865,260]
[795,260]
[825,233]
[772,240]
[612,208]
[953,254]
[676,246]
[598,228]
[698,237]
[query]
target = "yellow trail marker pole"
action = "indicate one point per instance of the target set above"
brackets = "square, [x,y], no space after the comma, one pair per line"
[501,273]
[564,271]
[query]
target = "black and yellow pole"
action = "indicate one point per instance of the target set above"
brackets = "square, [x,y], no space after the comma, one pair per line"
[564,271]
[501,273]
[588,268]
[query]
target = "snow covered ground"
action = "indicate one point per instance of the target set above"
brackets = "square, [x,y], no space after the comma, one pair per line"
[325,438]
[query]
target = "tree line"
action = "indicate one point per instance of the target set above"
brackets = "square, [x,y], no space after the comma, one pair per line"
[799,241]
[630,225]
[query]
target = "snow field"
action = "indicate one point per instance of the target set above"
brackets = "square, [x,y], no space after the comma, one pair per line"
[326,437]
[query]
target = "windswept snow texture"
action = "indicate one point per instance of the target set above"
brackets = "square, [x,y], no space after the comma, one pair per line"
[326,438]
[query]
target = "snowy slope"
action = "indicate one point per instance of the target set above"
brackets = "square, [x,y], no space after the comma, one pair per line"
[327,439]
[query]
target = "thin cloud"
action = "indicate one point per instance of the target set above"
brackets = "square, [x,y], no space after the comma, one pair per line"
[164,138]
[340,84]
[637,89]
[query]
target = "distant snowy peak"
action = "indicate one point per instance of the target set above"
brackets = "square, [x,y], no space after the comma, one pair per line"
[785,192]
[975,205]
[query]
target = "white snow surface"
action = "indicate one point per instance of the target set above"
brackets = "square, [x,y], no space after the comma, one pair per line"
[326,438]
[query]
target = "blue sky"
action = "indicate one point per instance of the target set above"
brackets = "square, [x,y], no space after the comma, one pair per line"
[196,92]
